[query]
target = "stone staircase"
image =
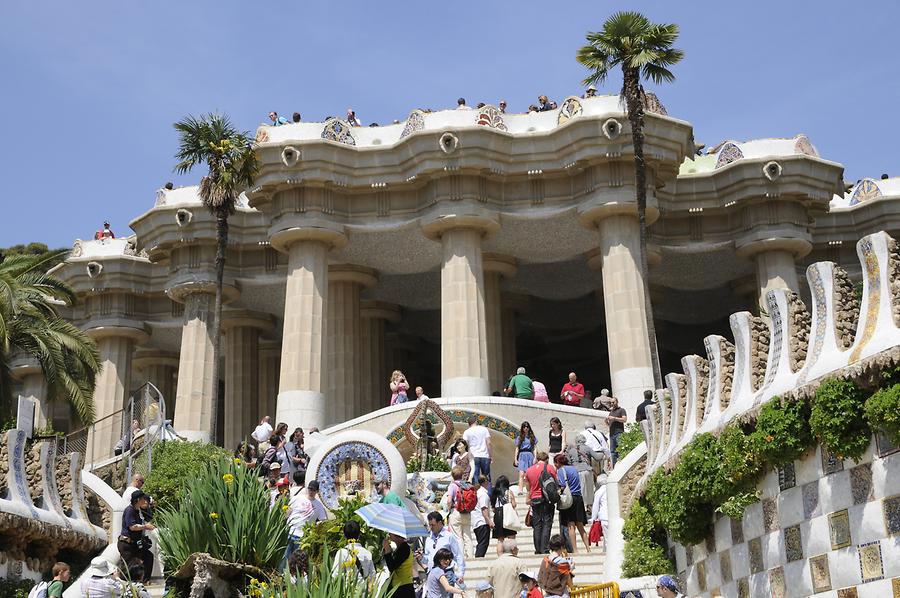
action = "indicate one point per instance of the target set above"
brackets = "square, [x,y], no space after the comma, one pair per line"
[588,566]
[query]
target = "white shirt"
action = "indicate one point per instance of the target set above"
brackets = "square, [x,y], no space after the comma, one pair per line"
[599,512]
[343,561]
[263,432]
[484,502]
[101,587]
[301,509]
[128,492]
[422,397]
[463,107]
[477,437]
[594,440]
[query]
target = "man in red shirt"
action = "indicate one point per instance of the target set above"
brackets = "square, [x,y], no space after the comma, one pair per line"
[572,391]
[542,511]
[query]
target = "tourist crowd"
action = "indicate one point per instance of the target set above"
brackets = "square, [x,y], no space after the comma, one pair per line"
[544,104]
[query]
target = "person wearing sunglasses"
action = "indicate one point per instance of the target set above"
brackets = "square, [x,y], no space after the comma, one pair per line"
[667,588]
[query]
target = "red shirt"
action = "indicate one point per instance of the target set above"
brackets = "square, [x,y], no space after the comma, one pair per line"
[533,475]
[577,389]
[534,592]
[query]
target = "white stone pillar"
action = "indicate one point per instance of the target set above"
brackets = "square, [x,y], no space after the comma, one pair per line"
[464,357]
[775,260]
[344,344]
[373,365]
[194,391]
[301,398]
[241,329]
[269,372]
[112,384]
[623,299]
[496,267]
[158,368]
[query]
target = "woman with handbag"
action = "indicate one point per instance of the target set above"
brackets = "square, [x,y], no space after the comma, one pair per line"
[506,520]
[525,445]
[571,508]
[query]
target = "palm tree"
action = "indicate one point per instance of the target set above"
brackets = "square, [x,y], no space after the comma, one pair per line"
[231,167]
[30,324]
[642,49]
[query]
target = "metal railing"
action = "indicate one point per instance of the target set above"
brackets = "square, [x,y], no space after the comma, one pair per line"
[609,589]
[132,432]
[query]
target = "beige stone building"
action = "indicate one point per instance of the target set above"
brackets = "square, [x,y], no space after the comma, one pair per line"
[456,246]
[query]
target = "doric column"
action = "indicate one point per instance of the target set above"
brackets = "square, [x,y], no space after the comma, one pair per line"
[343,344]
[496,267]
[373,366]
[158,368]
[301,398]
[194,391]
[111,387]
[513,304]
[241,329]
[464,360]
[619,258]
[269,372]
[775,269]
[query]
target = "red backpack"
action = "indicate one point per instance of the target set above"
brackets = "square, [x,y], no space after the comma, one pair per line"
[466,497]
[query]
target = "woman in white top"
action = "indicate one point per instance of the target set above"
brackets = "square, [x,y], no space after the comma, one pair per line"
[461,457]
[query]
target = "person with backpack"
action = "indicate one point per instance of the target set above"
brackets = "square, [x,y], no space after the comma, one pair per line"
[354,560]
[462,500]
[574,515]
[544,495]
[61,574]
[555,575]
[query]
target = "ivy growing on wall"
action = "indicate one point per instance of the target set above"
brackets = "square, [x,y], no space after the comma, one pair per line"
[720,473]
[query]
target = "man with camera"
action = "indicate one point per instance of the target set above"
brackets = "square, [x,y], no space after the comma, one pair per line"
[133,544]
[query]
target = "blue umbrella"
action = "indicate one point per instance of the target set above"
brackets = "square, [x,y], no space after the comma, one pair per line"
[392,519]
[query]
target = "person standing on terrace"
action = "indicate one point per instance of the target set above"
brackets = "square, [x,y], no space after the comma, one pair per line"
[520,385]
[277,120]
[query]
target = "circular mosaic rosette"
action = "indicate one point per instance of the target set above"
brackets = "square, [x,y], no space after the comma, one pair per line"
[351,467]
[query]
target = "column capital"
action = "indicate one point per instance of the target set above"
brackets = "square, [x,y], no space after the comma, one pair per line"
[366,277]
[245,318]
[502,264]
[379,310]
[288,230]
[592,212]
[134,331]
[178,291]
[434,226]
[150,357]
[750,246]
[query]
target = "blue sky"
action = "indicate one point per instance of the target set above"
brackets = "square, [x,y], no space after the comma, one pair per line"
[91,89]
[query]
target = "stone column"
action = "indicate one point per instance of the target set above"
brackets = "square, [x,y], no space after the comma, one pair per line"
[373,366]
[116,345]
[496,267]
[194,391]
[623,299]
[158,368]
[343,344]
[464,359]
[269,371]
[775,259]
[241,372]
[301,398]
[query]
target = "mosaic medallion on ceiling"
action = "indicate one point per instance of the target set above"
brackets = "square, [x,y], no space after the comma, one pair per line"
[339,131]
[414,122]
[865,190]
[490,116]
[729,153]
[571,107]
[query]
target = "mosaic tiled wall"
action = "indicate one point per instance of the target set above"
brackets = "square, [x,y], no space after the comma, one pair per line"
[823,527]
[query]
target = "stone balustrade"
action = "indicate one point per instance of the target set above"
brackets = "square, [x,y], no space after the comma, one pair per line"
[41,507]
[786,349]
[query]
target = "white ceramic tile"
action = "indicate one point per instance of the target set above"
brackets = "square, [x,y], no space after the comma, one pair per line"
[816,539]
[892,474]
[797,579]
[790,507]
[875,589]
[740,561]
[753,521]
[834,492]
[890,556]
[759,584]
[808,467]
[773,549]
[769,484]
[867,522]
[844,566]
[722,531]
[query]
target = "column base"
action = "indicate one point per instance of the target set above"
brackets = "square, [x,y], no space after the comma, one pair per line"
[629,384]
[465,386]
[301,408]
[194,435]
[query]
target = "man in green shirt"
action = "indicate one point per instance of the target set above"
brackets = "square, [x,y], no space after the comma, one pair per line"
[61,574]
[388,496]
[520,385]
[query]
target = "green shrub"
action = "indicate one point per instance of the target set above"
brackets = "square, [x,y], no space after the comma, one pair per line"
[837,419]
[782,431]
[18,588]
[321,584]
[735,505]
[175,466]
[639,523]
[225,512]
[324,536]
[674,507]
[883,412]
[629,439]
[642,557]
[741,464]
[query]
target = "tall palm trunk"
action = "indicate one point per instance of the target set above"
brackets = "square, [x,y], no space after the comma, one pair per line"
[632,92]
[221,244]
